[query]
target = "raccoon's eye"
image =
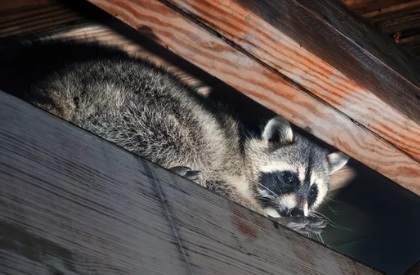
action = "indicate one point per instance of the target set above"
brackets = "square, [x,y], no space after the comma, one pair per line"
[289,178]
[313,192]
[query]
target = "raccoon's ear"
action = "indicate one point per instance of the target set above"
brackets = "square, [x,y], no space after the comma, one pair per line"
[278,131]
[337,160]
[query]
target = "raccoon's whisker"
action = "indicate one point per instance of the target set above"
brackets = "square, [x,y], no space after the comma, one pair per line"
[332,210]
[330,199]
[320,215]
[320,238]
[268,189]
[341,227]
[333,224]
[316,237]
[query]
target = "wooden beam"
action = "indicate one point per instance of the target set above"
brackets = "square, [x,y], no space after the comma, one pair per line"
[399,19]
[32,16]
[370,6]
[285,55]
[260,61]
[72,203]
[358,50]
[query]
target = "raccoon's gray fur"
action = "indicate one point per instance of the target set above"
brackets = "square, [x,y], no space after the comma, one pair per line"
[150,112]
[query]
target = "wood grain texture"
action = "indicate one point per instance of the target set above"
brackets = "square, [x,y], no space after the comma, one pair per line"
[285,55]
[368,6]
[353,47]
[396,18]
[399,19]
[264,85]
[18,17]
[401,22]
[72,203]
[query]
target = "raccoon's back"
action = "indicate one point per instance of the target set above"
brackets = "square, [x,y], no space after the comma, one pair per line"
[127,101]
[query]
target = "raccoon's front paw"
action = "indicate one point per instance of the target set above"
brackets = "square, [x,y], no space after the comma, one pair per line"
[304,225]
[186,172]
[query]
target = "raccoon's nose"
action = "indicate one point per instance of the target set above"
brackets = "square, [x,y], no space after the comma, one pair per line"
[296,212]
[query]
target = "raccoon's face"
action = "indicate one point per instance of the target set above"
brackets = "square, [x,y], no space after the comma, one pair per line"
[292,174]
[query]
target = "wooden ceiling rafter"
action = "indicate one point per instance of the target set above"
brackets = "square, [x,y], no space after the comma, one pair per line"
[398,19]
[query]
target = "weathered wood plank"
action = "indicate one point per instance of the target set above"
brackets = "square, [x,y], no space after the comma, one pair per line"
[280,52]
[358,50]
[368,6]
[72,203]
[248,75]
[18,17]
[399,19]
[396,18]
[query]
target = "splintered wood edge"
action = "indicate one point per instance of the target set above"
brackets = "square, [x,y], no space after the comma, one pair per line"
[253,78]
[75,203]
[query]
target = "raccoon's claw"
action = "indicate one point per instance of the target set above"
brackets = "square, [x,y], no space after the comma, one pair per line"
[186,172]
[304,225]
[314,228]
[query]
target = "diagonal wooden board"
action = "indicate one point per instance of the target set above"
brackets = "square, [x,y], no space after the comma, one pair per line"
[73,203]
[399,19]
[272,46]
[387,145]
[32,16]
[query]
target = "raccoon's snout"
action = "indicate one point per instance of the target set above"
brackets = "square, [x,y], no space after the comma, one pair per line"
[292,212]
[295,212]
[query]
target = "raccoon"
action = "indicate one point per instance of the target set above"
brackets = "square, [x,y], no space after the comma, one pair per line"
[152,113]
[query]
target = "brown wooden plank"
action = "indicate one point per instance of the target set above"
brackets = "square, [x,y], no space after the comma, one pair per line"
[368,6]
[18,17]
[286,56]
[398,19]
[353,47]
[412,43]
[191,41]
[73,203]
